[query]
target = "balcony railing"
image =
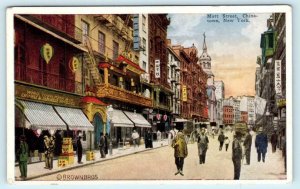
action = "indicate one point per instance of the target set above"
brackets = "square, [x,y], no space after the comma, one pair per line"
[63,25]
[116,93]
[50,80]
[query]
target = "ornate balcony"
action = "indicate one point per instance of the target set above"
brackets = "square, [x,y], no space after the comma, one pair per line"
[116,93]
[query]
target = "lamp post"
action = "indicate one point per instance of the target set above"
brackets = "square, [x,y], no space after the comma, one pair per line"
[110,112]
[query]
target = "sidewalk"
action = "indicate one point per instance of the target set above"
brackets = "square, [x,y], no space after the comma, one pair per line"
[272,169]
[36,170]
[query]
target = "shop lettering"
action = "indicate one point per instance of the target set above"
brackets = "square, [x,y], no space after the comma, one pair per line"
[44,96]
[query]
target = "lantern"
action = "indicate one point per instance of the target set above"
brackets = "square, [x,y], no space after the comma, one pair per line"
[47,52]
[73,64]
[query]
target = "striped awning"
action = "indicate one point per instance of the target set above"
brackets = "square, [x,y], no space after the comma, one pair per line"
[74,118]
[120,119]
[138,119]
[42,116]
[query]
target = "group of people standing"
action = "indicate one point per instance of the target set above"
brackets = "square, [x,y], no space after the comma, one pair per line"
[240,148]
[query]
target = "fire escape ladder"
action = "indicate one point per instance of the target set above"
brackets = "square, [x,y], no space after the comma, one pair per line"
[91,63]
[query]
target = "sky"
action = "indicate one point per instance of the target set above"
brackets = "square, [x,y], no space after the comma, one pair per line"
[233,46]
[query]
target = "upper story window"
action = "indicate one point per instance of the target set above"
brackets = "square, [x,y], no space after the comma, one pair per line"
[144,45]
[101,41]
[144,65]
[144,23]
[115,50]
[85,31]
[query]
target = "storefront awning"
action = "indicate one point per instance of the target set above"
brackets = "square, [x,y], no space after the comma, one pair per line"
[138,119]
[42,116]
[120,119]
[74,118]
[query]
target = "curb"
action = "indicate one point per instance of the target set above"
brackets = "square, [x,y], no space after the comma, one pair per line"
[90,163]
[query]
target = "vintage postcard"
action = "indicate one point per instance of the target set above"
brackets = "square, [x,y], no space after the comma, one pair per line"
[159,94]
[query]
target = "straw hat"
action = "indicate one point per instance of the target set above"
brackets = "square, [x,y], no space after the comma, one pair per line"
[260,129]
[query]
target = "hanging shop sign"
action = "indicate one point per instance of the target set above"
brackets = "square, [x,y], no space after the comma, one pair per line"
[278,87]
[184,93]
[47,52]
[281,102]
[157,68]
[74,64]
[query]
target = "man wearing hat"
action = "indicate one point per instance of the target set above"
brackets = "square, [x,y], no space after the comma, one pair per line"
[202,145]
[23,156]
[261,144]
[237,155]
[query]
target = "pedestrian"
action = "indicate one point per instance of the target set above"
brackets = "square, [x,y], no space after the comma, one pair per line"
[247,147]
[106,143]
[23,152]
[148,140]
[226,141]
[237,155]
[102,145]
[180,152]
[135,138]
[202,143]
[274,141]
[221,139]
[261,144]
[49,150]
[79,149]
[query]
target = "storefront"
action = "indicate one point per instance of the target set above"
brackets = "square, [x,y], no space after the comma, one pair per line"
[40,111]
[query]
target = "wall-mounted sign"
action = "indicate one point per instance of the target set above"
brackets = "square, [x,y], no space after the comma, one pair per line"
[74,64]
[184,93]
[277,80]
[46,96]
[47,52]
[157,68]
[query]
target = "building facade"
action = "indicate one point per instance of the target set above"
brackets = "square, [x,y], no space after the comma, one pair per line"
[49,80]
[193,82]
[220,90]
[158,70]
[244,116]
[174,80]
[205,62]
[279,119]
[228,115]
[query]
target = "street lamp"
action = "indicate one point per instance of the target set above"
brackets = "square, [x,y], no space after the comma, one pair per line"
[110,112]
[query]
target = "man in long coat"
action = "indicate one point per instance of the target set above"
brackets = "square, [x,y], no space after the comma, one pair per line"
[221,139]
[180,151]
[79,150]
[237,155]
[247,147]
[23,156]
[261,144]
[274,140]
[202,146]
[102,146]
